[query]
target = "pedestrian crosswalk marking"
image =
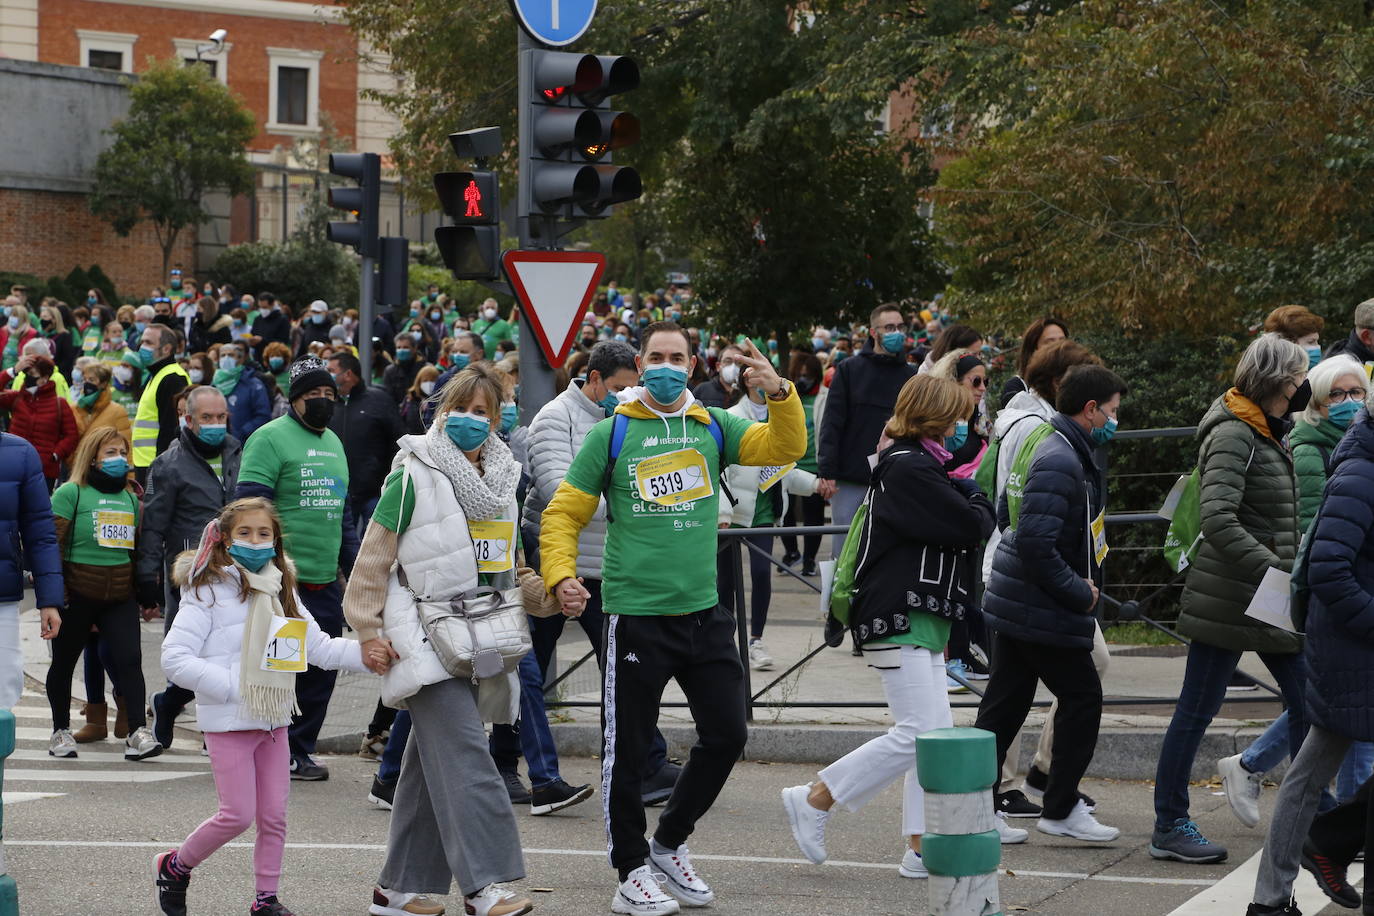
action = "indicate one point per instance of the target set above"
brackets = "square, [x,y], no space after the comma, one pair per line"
[92,775]
[13,798]
[85,754]
[1239,884]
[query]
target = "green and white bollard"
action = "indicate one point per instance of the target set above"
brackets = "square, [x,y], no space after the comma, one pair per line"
[961,849]
[9,892]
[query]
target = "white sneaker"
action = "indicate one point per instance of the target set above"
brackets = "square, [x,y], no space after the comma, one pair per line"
[682,880]
[140,745]
[1080,825]
[1242,789]
[759,659]
[1008,834]
[496,900]
[913,866]
[640,893]
[62,744]
[399,903]
[808,822]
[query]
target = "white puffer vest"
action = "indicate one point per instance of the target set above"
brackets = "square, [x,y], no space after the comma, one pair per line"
[436,555]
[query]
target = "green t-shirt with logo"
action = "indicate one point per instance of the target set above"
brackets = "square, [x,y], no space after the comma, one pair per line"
[660,560]
[309,475]
[103,524]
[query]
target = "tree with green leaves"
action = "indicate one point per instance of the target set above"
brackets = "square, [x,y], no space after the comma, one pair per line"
[185,134]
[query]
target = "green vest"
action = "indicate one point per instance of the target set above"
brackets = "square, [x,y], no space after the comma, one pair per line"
[146,423]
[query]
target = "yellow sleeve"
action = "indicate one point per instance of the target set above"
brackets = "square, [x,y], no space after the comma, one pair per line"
[567,514]
[781,439]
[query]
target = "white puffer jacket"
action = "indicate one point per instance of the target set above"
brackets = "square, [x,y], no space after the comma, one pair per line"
[744,484]
[201,651]
[556,435]
[435,552]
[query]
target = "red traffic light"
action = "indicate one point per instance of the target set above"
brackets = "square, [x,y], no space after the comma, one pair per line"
[469,198]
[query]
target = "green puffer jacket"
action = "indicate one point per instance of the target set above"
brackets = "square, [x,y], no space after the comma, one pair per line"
[1249,523]
[1310,464]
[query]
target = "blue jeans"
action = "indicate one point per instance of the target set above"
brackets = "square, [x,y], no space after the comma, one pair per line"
[1203,691]
[390,768]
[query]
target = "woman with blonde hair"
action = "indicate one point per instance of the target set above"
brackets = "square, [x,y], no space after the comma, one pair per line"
[970,439]
[413,407]
[96,513]
[95,408]
[919,539]
[446,523]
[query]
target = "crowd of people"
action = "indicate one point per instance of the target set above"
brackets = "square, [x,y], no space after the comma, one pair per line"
[230,467]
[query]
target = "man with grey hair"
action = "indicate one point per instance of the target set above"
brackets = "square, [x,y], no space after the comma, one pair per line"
[188,485]
[492,327]
[143,316]
[1360,343]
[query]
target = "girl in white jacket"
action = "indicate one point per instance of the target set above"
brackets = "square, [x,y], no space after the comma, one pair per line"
[239,638]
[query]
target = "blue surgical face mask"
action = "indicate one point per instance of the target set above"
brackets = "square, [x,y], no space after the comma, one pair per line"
[510,414]
[115,467]
[818,344]
[318,317]
[839,356]
[404,355]
[1341,414]
[468,431]
[228,362]
[956,441]
[276,362]
[146,354]
[893,341]
[665,382]
[141,326]
[460,360]
[1314,356]
[252,557]
[1103,434]
[610,402]
[211,434]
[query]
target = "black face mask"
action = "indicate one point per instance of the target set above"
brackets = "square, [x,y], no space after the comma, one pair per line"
[318,412]
[1301,397]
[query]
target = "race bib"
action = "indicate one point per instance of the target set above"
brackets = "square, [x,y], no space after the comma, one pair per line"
[770,475]
[494,544]
[115,529]
[674,479]
[285,649]
[1099,533]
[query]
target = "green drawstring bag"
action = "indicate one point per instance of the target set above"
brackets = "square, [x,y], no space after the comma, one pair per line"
[1185,527]
[842,589]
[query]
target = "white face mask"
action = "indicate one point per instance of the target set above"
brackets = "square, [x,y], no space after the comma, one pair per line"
[124,373]
[426,388]
[197,376]
[490,314]
[729,373]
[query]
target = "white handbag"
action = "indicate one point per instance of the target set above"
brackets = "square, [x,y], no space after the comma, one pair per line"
[479,634]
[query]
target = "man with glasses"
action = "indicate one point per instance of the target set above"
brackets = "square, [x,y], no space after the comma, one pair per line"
[862,394]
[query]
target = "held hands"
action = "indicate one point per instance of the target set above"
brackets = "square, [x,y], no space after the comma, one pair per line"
[572,596]
[826,487]
[761,373]
[49,622]
[151,613]
[377,654]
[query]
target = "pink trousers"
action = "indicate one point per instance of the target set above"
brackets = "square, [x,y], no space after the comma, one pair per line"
[253,779]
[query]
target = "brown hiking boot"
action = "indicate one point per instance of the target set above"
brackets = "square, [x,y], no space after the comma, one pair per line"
[95,728]
[121,726]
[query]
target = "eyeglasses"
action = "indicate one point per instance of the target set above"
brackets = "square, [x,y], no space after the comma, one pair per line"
[1340,394]
[890,328]
[978,382]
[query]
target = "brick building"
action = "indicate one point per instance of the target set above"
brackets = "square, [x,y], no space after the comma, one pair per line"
[294,63]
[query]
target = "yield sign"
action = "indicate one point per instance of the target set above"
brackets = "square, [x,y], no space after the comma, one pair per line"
[554,288]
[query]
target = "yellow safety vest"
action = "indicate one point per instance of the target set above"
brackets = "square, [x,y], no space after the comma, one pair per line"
[146,423]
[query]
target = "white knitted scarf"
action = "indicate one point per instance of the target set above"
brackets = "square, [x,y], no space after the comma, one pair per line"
[482,496]
[268,695]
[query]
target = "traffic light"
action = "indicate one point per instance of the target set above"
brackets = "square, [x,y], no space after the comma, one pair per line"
[364,200]
[568,133]
[394,273]
[471,247]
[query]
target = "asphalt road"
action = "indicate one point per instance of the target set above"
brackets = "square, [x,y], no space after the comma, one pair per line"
[86,848]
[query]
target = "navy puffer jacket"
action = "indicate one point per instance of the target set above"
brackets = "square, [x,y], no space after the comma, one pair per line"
[1038,591]
[1340,615]
[26,526]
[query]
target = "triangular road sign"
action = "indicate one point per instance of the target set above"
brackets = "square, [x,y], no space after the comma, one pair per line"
[555,289]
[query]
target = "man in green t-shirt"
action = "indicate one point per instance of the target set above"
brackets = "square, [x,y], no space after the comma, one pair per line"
[658,461]
[298,464]
[491,327]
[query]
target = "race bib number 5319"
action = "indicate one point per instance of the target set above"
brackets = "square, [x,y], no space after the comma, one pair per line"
[673,479]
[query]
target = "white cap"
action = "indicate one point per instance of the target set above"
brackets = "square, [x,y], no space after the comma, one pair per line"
[319,305]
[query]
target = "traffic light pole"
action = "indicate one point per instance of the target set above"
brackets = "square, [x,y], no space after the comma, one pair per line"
[367,308]
[536,375]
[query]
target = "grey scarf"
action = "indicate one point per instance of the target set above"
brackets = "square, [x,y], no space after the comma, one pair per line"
[482,496]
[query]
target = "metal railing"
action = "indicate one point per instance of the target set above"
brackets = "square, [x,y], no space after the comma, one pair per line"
[732,549]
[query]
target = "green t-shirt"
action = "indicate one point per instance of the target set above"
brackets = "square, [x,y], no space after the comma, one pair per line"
[808,461]
[492,333]
[103,524]
[659,559]
[390,513]
[309,475]
[927,631]
[217,464]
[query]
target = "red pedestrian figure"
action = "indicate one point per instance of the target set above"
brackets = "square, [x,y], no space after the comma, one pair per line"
[473,195]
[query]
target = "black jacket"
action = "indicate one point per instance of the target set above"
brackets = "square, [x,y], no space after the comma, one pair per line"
[1340,571]
[711,393]
[275,328]
[1038,590]
[862,394]
[368,424]
[312,333]
[398,378]
[918,547]
[205,333]
[182,495]
[1352,346]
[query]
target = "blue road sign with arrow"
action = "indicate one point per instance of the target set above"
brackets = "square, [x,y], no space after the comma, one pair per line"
[554,22]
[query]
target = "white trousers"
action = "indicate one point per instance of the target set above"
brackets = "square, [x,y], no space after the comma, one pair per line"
[919,703]
[11,657]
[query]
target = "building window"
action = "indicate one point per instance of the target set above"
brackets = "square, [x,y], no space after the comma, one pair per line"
[293,88]
[107,50]
[211,65]
[294,99]
[217,62]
